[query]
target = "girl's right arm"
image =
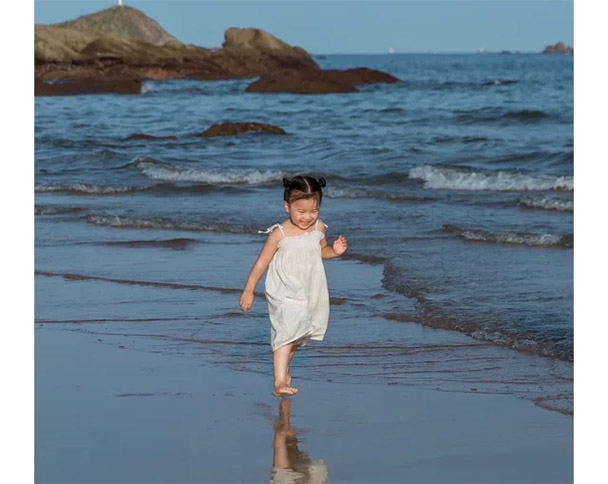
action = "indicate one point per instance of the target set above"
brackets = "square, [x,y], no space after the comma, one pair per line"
[266,254]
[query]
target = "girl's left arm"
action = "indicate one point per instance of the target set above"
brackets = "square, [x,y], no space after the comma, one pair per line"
[336,249]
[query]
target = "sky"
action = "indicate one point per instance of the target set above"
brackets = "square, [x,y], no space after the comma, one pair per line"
[353,27]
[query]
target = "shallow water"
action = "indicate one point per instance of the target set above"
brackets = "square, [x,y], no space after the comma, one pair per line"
[454,188]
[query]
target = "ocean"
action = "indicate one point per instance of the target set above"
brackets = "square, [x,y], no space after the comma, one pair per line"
[454,188]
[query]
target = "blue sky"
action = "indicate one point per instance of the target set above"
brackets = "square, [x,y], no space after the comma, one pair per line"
[346,26]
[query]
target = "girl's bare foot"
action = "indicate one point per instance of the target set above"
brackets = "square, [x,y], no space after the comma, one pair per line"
[283,389]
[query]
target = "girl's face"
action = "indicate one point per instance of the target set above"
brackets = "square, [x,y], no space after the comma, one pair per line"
[303,213]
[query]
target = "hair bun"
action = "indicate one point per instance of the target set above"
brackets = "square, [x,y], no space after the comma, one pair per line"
[322,182]
[286,182]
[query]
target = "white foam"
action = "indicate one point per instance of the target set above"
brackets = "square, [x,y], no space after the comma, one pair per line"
[83,188]
[126,222]
[179,174]
[147,88]
[358,192]
[333,192]
[546,240]
[450,178]
[119,221]
[558,204]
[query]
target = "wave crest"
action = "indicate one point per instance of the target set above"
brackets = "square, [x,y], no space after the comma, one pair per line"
[86,189]
[459,179]
[516,238]
[558,204]
[170,173]
[159,223]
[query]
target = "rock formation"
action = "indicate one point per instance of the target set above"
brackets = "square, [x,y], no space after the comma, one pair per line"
[122,43]
[320,82]
[122,22]
[559,48]
[230,129]
[299,84]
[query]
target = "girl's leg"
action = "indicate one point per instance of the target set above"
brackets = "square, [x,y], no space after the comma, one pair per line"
[280,358]
[294,347]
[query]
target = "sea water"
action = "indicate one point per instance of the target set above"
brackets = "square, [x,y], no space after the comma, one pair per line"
[454,188]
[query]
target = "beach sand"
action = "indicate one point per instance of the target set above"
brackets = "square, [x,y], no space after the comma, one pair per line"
[108,413]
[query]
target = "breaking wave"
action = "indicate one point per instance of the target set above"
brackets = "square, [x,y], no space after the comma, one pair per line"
[558,204]
[515,238]
[86,189]
[161,223]
[461,179]
[333,192]
[169,173]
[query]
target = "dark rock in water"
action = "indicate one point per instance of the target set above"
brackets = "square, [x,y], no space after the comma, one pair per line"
[231,129]
[559,48]
[116,85]
[358,76]
[147,137]
[299,84]
[321,82]
[505,52]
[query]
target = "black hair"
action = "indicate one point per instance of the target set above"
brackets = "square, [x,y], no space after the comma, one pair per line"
[303,187]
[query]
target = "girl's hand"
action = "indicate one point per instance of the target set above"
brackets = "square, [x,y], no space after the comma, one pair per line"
[246,301]
[340,245]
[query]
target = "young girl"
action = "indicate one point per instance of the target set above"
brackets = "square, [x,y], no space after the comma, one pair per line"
[296,287]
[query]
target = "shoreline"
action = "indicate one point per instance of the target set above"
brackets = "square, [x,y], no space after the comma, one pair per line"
[192,314]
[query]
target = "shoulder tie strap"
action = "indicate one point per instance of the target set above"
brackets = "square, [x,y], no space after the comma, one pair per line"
[271,228]
[317,225]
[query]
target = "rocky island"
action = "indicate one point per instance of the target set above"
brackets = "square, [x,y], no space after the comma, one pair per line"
[115,49]
[559,48]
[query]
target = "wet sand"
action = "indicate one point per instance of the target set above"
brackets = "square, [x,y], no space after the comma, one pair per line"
[106,412]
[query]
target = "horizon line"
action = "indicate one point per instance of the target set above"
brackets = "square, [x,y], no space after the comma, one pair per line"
[500,52]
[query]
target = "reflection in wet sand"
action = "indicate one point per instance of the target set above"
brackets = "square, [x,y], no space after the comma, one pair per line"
[291,465]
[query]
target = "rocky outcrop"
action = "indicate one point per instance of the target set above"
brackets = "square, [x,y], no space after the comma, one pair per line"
[122,21]
[58,44]
[68,53]
[320,82]
[122,43]
[124,40]
[256,39]
[559,48]
[231,129]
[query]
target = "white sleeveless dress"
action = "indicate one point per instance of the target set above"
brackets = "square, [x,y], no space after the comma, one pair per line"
[296,289]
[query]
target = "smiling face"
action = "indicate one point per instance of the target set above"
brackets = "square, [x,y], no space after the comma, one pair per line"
[303,213]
